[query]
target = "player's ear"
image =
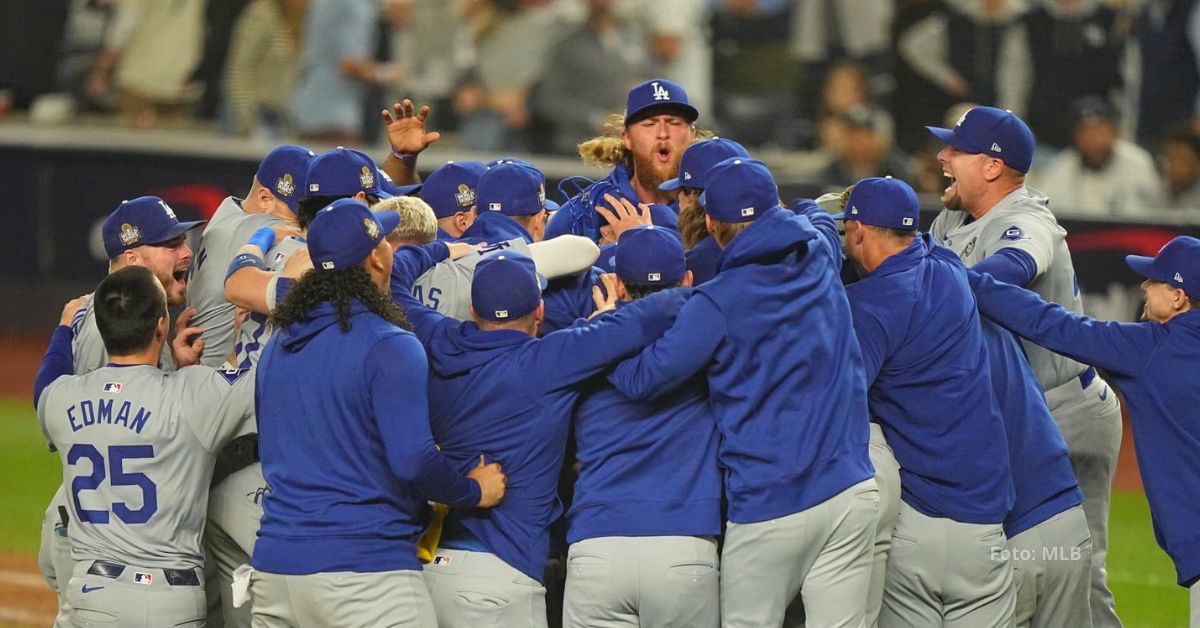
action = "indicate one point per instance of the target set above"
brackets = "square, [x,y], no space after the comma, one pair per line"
[625,139]
[163,326]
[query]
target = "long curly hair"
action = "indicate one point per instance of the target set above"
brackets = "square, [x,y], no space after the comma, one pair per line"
[607,149]
[340,288]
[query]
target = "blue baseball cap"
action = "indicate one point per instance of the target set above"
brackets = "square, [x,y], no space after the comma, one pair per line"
[391,188]
[451,188]
[994,132]
[512,189]
[739,190]
[284,171]
[1177,263]
[143,220]
[883,202]
[345,232]
[698,158]
[509,160]
[506,286]
[657,93]
[344,172]
[650,255]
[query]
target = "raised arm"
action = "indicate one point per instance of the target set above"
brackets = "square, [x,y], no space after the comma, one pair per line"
[684,350]
[1118,347]
[57,361]
[824,223]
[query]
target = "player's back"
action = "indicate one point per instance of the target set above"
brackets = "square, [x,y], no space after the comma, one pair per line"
[229,228]
[138,446]
[447,286]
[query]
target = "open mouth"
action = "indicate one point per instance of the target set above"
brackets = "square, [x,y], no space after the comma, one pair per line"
[664,154]
[180,276]
[953,182]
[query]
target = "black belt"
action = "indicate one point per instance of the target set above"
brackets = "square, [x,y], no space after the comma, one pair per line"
[1087,377]
[175,577]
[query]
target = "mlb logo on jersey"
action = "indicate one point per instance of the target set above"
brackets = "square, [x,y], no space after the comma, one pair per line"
[441,559]
[112,387]
[279,255]
[141,577]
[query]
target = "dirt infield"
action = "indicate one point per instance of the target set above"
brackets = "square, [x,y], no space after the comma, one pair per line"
[25,600]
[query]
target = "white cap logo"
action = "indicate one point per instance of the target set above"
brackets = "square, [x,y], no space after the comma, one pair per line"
[654,277]
[747,211]
[495,207]
[327,265]
[854,209]
[167,209]
[995,147]
[501,313]
[1178,277]
[907,222]
[660,92]
[687,176]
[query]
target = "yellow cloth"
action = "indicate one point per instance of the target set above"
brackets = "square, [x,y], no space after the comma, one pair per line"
[428,545]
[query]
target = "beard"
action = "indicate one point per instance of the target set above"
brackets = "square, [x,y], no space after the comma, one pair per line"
[650,174]
[952,201]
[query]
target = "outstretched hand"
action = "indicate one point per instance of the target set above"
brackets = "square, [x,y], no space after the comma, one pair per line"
[406,130]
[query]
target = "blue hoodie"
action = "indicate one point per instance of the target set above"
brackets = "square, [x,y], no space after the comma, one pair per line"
[647,468]
[492,227]
[1154,365]
[346,447]
[771,332]
[930,385]
[1037,452]
[510,395]
[578,215]
[702,260]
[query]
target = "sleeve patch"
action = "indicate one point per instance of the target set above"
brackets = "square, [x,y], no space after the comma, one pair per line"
[1014,233]
[231,374]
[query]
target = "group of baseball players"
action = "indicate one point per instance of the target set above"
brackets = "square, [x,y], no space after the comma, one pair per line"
[381,392]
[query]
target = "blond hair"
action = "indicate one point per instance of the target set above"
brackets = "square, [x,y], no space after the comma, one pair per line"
[608,149]
[723,232]
[418,224]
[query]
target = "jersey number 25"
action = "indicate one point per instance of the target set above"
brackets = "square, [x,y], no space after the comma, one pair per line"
[117,455]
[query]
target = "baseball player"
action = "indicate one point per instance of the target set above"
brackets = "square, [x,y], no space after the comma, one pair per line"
[341,397]
[702,251]
[998,225]
[336,174]
[450,191]
[138,446]
[140,232]
[496,388]
[771,334]
[646,509]
[930,389]
[273,200]
[511,203]
[1152,363]
[658,125]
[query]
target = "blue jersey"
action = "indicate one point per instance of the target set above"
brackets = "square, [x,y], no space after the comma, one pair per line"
[578,215]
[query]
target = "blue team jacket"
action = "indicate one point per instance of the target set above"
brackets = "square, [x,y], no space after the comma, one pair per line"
[702,260]
[508,395]
[1154,365]
[491,227]
[578,215]
[647,468]
[930,385]
[346,447]
[1037,452]
[771,332]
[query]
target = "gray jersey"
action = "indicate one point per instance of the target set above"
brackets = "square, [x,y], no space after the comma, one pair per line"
[447,286]
[87,347]
[1022,220]
[137,446]
[226,232]
[255,328]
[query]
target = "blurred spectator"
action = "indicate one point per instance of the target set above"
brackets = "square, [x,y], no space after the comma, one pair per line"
[83,42]
[219,20]
[917,100]
[863,149]
[588,73]
[511,40]
[1168,37]
[1073,49]
[823,32]
[338,41]
[680,45]
[261,69]
[1100,173]
[1181,169]
[30,38]
[959,50]
[150,54]
[426,36]
[756,82]
[846,90]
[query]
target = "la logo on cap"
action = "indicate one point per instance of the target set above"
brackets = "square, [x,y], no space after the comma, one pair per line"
[166,208]
[660,92]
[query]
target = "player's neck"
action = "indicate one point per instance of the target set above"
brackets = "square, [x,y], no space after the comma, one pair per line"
[991,199]
[648,196]
[148,356]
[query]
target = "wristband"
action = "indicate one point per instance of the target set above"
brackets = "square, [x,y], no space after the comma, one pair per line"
[263,238]
[404,156]
[242,261]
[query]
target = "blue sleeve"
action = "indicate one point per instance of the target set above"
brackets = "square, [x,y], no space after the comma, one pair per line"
[283,286]
[872,338]
[1119,347]
[569,299]
[571,355]
[56,363]
[824,223]
[398,378]
[685,349]
[1009,265]
[408,263]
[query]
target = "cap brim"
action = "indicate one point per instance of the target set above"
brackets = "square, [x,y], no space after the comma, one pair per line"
[551,206]
[402,190]
[670,185]
[688,112]
[388,220]
[948,136]
[838,216]
[1143,266]
[542,282]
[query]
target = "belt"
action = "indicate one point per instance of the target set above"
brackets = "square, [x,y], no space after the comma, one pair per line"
[175,577]
[457,536]
[1087,377]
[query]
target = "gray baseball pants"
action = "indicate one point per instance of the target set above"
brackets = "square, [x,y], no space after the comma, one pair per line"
[824,553]
[478,590]
[1090,420]
[136,597]
[341,599]
[941,572]
[1052,566]
[643,582]
[234,513]
[54,554]
[1194,595]
[887,479]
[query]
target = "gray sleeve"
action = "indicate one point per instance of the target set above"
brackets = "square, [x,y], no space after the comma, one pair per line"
[1026,233]
[87,347]
[41,416]
[220,404]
